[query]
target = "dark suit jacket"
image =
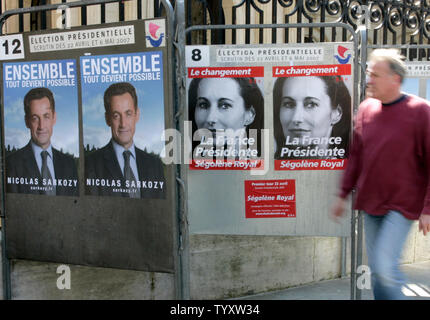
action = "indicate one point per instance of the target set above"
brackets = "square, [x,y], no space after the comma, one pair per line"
[103,164]
[22,164]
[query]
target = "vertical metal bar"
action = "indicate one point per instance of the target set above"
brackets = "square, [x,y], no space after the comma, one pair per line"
[43,17]
[84,15]
[139,9]
[7,290]
[299,20]
[121,11]
[102,13]
[157,8]
[385,28]
[188,21]
[362,81]
[233,32]
[205,18]
[248,21]
[6,279]
[177,19]
[353,264]
[21,16]
[183,277]
[359,248]
[261,34]
[343,257]
[322,19]
[274,17]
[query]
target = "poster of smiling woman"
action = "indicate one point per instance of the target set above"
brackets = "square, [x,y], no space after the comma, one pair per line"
[41,127]
[226,110]
[123,122]
[311,116]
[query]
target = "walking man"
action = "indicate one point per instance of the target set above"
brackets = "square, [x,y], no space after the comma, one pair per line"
[389,167]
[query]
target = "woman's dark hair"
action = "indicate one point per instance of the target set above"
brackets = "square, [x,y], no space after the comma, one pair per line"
[249,91]
[339,96]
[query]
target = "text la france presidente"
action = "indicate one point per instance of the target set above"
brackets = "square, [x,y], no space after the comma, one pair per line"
[94,69]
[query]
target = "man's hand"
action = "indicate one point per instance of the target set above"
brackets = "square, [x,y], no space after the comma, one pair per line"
[424,223]
[338,209]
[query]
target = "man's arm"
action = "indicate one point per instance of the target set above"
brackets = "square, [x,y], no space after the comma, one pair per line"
[424,220]
[351,173]
[424,223]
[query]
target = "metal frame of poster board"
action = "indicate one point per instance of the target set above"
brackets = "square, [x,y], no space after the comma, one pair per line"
[169,81]
[355,227]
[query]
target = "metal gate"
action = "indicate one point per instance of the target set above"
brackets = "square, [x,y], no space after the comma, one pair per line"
[314,21]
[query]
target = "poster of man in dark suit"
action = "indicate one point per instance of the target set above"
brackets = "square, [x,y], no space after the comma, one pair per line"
[120,168]
[38,167]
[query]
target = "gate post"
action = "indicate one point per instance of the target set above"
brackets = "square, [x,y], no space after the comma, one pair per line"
[183,247]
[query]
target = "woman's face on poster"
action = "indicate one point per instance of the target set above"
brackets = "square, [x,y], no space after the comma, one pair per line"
[306,109]
[220,105]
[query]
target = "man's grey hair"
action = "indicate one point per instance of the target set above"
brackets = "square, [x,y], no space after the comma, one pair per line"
[394,58]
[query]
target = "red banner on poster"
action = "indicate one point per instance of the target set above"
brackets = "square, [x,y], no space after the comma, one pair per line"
[226,72]
[307,71]
[270,199]
[317,164]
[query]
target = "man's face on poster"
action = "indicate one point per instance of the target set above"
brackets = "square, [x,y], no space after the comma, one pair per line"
[122,118]
[41,120]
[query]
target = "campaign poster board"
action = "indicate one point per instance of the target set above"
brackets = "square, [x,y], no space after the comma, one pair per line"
[311,156]
[111,201]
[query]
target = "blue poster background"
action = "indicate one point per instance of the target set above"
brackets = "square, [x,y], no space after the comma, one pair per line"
[19,78]
[144,70]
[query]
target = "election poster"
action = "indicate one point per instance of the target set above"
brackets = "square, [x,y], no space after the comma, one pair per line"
[41,115]
[226,111]
[123,109]
[312,113]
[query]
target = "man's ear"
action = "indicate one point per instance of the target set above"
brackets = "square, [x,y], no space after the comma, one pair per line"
[336,115]
[107,119]
[137,113]
[27,122]
[249,116]
[55,117]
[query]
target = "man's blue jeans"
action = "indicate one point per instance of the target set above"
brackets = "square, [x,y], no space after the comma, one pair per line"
[385,238]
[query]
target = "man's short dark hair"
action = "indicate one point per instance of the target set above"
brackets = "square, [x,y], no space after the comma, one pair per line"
[118,89]
[35,94]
